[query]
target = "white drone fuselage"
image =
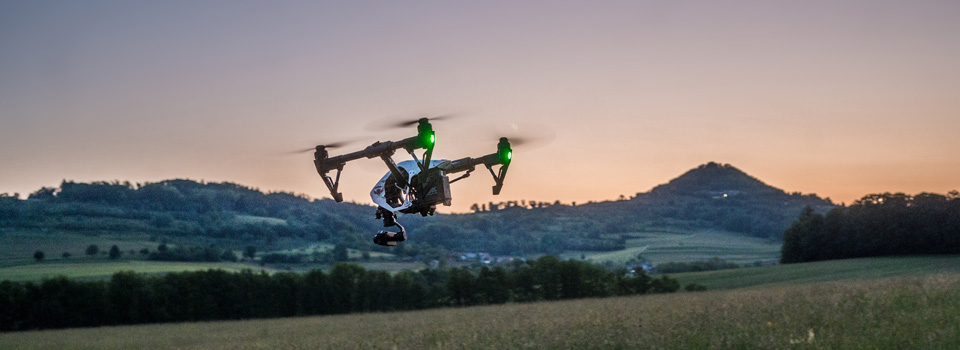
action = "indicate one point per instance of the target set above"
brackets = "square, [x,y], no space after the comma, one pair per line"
[378,194]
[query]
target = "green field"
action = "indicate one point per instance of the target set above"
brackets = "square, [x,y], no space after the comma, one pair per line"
[312,248]
[250,219]
[893,313]
[682,246]
[104,269]
[17,263]
[824,271]
[17,247]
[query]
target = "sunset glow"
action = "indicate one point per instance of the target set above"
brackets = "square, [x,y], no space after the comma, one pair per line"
[837,98]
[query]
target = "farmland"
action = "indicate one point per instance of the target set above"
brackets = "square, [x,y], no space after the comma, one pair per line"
[825,271]
[17,247]
[103,270]
[17,264]
[688,245]
[891,313]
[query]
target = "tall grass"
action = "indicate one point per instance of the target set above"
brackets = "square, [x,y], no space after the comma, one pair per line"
[894,313]
[824,271]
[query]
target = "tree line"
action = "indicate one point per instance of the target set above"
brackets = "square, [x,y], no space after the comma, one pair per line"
[877,225]
[130,298]
[227,211]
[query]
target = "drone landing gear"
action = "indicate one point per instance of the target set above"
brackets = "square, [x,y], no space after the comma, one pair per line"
[389,238]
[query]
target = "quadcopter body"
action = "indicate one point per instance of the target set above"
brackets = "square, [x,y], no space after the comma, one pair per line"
[414,186]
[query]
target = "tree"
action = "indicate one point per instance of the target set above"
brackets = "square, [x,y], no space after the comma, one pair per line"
[249,252]
[114,252]
[44,193]
[462,287]
[92,250]
[340,252]
[228,255]
[38,255]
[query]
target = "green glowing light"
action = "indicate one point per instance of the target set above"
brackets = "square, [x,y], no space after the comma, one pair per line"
[427,139]
[510,155]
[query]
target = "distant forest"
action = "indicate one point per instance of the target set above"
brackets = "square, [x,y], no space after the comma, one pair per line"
[877,225]
[185,208]
[712,196]
[130,298]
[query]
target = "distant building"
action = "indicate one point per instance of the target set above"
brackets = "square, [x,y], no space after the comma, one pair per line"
[485,258]
[646,267]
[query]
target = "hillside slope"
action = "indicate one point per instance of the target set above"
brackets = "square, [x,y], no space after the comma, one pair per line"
[711,196]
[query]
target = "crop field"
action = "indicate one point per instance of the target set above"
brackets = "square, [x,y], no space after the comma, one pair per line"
[102,270]
[312,247]
[662,247]
[17,247]
[892,313]
[250,219]
[823,271]
[17,263]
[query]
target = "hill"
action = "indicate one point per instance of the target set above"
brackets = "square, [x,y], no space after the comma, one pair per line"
[710,198]
[714,179]
[724,197]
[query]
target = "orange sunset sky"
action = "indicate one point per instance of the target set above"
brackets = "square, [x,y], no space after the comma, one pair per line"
[837,98]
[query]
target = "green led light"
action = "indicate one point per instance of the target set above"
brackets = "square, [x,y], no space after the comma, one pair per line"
[427,139]
[510,155]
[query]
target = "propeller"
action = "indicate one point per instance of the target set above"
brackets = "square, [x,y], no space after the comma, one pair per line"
[526,135]
[404,122]
[327,145]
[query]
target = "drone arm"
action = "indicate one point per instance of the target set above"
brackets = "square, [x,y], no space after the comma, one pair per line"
[324,163]
[469,164]
[373,151]
[394,169]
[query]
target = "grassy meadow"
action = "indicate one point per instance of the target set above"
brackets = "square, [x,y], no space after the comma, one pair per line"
[892,313]
[823,271]
[103,270]
[17,246]
[685,246]
[17,263]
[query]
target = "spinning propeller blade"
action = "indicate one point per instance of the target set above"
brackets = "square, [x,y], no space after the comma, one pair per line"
[523,134]
[328,145]
[404,122]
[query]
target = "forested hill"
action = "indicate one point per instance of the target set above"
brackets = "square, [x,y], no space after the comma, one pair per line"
[722,196]
[713,179]
[709,196]
[716,196]
[183,208]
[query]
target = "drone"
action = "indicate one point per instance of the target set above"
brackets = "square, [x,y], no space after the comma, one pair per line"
[413,186]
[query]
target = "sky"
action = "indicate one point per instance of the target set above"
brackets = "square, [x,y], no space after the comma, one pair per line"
[838,98]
